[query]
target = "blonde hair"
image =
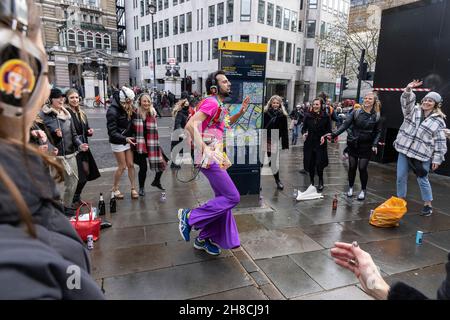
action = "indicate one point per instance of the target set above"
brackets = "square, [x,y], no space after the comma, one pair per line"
[68,106]
[178,106]
[143,112]
[376,101]
[438,110]
[269,104]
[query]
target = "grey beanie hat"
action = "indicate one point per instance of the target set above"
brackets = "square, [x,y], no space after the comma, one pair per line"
[435,96]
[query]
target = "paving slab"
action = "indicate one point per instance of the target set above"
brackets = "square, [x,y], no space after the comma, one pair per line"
[440,239]
[346,293]
[327,234]
[180,282]
[283,218]
[427,280]
[436,222]
[288,277]
[402,254]
[263,243]
[246,293]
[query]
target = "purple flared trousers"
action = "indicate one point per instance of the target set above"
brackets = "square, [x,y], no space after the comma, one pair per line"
[214,218]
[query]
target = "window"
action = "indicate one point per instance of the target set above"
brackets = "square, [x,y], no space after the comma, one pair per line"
[164,56]
[89,38]
[198,53]
[198,19]
[98,41]
[288,52]
[220,13]
[189,22]
[269,14]
[230,10]
[179,52]
[224,38]
[166,28]
[201,50]
[278,17]
[142,8]
[147,32]
[215,48]
[81,39]
[211,15]
[245,38]
[175,25]
[201,16]
[158,56]
[146,58]
[155,30]
[190,51]
[273,49]
[246,10]
[287,15]
[175,2]
[294,21]
[209,49]
[185,52]
[299,56]
[107,42]
[142,33]
[261,11]
[310,28]
[264,40]
[280,50]
[313,4]
[309,57]
[182,23]
[160,5]
[322,29]
[71,38]
[160,29]
[299,25]
[166,4]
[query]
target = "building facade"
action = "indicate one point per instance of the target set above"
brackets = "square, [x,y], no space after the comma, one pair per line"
[189,31]
[80,29]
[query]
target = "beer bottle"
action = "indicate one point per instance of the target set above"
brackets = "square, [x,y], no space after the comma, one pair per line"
[335,202]
[112,203]
[101,206]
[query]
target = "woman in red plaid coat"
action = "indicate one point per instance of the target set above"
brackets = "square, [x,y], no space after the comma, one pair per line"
[147,143]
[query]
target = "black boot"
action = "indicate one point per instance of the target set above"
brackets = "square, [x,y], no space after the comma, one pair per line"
[320,186]
[280,186]
[141,191]
[157,181]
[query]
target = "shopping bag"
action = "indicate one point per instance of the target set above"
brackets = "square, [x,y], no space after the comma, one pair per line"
[86,227]
[389,213]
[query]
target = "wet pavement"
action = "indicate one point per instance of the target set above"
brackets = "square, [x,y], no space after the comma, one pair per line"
[285,244]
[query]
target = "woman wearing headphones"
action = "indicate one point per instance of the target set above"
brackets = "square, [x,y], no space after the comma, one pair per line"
[362,142]
[145,130]
[42,256]
[119,122]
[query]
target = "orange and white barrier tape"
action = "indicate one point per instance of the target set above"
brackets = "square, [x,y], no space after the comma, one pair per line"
[400,89]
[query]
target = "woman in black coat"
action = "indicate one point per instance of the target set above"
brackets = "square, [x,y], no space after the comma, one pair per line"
[181,113]
[365,127]
[87,168]
[316,125]
[275,118]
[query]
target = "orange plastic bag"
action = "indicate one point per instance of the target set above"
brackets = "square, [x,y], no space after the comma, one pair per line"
[389,213]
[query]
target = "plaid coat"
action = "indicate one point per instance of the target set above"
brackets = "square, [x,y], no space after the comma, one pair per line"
[149,143]
[422,141]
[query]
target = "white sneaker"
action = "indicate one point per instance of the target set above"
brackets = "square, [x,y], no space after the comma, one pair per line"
[350,192]
[362,195]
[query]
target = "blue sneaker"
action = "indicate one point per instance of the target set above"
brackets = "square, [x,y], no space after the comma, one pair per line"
[183,226]
[426,211]
[207,245]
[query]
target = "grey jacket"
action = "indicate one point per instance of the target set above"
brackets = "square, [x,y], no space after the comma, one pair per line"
[52,120]
[38,268]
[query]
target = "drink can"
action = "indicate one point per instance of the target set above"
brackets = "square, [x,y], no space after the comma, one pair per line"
[90,242]
[419,237]
[295,194]
[163,196]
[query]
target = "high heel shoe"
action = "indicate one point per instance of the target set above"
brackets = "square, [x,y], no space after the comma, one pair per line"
[117,194]
[134,194]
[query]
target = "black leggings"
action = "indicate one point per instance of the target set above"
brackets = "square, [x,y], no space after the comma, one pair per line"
[313,168]
[361,164]
[141,161]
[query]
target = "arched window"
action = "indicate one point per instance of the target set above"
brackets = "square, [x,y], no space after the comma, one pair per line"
[81,39]
[106,42]
[98,41]
[90,40]
[71,38]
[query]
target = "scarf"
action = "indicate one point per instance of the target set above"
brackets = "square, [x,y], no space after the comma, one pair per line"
[147,141]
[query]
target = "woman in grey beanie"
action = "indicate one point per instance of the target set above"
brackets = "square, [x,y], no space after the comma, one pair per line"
[420,142]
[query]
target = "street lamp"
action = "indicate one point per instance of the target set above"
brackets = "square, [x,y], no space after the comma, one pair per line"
[152,10]
[102,66]
[87,63]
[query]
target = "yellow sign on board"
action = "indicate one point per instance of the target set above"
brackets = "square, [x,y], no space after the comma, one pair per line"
[242,46]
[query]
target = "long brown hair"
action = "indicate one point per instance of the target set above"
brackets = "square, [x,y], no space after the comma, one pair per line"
[81,112]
